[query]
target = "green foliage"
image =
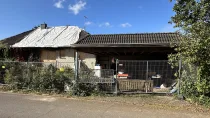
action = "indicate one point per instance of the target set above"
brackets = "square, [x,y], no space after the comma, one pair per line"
[4,51]
[85,89]
[42,78]
[193,18]
[14,76]
[38,77]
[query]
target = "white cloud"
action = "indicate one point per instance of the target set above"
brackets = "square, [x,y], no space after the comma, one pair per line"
[59,4]
[88,23]
[77,7]
[125,25]
[168,28]
[106,24]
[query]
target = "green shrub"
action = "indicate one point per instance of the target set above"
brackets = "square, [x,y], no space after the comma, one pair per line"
[85,89]
[42,78]
[14,75]
[38,77]
[195,86]
[63,77]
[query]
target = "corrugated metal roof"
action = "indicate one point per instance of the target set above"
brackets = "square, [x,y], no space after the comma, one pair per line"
[140,38]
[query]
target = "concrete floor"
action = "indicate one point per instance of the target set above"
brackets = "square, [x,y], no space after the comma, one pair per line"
[34,106]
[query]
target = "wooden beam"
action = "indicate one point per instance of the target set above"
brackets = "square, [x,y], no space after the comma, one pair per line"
[117,53]
[125,53]
[142,52]
[125,50]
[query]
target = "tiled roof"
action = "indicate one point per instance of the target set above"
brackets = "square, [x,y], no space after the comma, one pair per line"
[15,39]
[140,38]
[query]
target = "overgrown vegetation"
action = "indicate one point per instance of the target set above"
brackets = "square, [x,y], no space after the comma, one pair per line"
[43,78]
[193,19]
[4,51]
[85,89]
[37,77]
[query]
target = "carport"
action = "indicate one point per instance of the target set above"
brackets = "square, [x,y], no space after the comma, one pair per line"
[139,57]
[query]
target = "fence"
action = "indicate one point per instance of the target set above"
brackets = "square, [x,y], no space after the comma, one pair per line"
[133,75]
[37,75]
[104,78]
[159,71]
[64,64]
[53,75]
[188,78]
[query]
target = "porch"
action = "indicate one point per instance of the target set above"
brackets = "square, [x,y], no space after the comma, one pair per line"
[139,60]
[137,69]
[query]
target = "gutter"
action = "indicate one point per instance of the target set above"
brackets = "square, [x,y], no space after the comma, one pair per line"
[121,45]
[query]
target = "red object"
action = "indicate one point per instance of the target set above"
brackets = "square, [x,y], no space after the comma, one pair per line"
[122,75]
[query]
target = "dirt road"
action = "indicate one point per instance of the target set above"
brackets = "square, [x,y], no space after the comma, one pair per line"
[35,106]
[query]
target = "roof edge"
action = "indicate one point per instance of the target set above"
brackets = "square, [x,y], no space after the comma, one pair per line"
[121,45]
[140,33]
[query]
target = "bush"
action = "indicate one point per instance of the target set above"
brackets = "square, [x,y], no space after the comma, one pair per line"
[41,78]
[85,89]
[195,86]
[63,78]
[37,77]
[14,75]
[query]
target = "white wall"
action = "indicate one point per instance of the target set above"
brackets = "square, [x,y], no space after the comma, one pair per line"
[88,59]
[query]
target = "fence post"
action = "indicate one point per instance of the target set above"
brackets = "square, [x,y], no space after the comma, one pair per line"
[56,64]
[27,77]
[147,70]
[76,66]
[116,82]
[179,80]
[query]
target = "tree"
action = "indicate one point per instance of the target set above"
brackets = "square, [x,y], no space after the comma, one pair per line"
[193,18]
[4,51]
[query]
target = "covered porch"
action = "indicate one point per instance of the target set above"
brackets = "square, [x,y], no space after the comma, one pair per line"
[104,55]
[139,61]
[136,69]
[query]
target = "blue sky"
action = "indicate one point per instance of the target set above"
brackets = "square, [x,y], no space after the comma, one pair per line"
[103,16]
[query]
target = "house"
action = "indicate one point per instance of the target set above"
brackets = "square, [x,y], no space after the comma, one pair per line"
[141,56]
[140,46]
[47,44]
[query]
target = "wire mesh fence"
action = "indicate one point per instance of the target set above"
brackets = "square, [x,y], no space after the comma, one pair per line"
[189,71]
[159,71]
[36,75]
[104,78]
[64,64]
[52,75]
[47,75]
[188,78]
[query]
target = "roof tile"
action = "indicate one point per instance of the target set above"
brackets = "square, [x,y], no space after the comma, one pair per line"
[141,38]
